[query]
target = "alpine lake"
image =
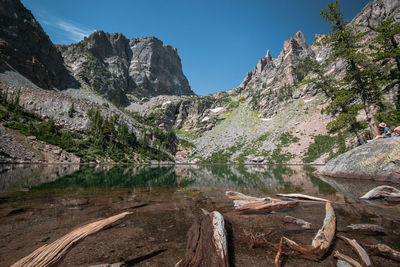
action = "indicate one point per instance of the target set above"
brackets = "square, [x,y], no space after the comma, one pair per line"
[41,203]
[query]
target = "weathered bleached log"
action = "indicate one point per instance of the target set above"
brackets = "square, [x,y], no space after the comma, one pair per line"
[372,228]
[239,196]
[301,196]
[358,249]
[342,263]
[297,221]
[206,243]
[267,207]
[320,244]
[381,192]
[384,251]
[243,203]
[48,255]
[346,258]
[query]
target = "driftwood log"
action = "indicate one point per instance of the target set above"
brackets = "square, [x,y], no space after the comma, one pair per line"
[49,255]
[249,204]
[342,263]
[382,192]
[358,249]
[206,242]
[297,221]
[320,244]
[302,196]
[384,251]
[347,259]
[369,228]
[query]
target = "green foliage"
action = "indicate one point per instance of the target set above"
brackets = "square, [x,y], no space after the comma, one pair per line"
[71,111]
[232,105]
[287,138]
[322,144]
[106,139]
[186,144]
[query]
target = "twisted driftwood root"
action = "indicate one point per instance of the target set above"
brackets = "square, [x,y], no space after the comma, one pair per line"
[206,243]
[320,244]
[48,255]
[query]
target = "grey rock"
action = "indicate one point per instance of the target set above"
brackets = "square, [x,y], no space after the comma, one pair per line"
[116,67]
[375,160]
[25,47]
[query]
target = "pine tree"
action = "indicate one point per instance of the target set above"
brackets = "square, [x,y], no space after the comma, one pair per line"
[342,102]
[360,78]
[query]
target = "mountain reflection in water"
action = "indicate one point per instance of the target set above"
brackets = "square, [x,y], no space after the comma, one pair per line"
[40,203]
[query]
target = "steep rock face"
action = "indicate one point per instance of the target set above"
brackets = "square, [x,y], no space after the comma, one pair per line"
[26,47]
[378,160]
[123,69]
[271,83]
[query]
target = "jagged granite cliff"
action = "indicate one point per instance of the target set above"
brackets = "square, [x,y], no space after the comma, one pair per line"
[122,69]
[25,47]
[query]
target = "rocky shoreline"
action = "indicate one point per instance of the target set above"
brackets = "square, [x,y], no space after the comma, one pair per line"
[378,160]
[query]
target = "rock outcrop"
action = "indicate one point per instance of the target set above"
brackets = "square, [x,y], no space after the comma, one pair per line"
[123,70]
[25,47]
[377,160]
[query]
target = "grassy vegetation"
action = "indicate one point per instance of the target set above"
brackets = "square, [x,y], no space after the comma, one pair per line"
[186,144]
[322,144]
[107,139]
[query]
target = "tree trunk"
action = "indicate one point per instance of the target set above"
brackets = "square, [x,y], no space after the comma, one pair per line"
[371,120]
[206,243]
[360,139]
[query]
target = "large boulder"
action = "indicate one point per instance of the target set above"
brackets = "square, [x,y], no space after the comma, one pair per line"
[377,160]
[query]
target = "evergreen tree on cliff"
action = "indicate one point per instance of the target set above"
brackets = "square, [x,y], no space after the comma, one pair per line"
[360,85]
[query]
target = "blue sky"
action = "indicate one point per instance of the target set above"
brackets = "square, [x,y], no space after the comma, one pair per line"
[218,41]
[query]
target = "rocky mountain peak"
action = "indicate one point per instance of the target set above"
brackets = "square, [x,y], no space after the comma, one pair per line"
[25,47]
[123,70]
[103,44]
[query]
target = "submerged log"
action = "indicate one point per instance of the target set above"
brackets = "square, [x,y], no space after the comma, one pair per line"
[297,221]
[206,243]
[382,192]
[48,255]
[384,251]
[358,249]
[372,228]
[249,204]
[342,263]
[346,258]
[301,196]
[320,244]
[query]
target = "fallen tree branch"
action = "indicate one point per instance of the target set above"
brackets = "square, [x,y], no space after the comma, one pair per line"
[320,244]
[358,249]
[384,251]
[243,203]
[206,243]
[50,254]
[301,196]
[346,258]
[373,228]
[382,192]
[297,221]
